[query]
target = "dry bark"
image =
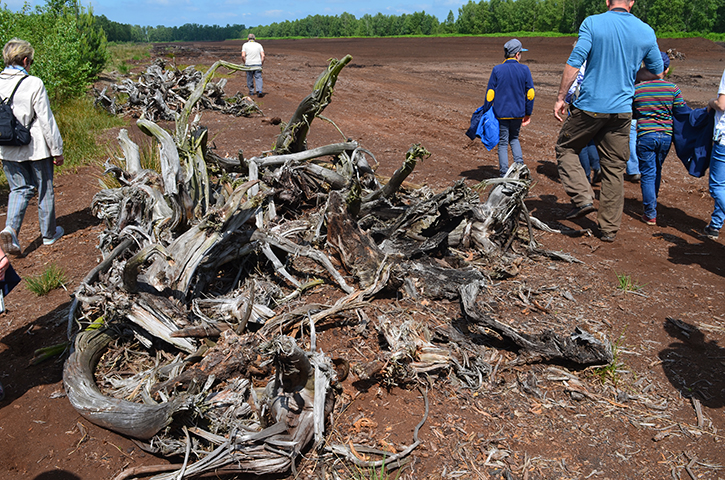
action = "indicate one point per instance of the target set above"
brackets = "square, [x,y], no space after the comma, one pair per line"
[358,252]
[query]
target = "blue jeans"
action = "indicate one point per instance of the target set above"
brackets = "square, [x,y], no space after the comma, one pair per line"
[508,134]
[589,158]
[633,163]
[254,76]
[652,150]
[717,185]
[24,178]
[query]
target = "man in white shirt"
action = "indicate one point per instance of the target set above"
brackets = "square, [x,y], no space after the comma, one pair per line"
[253,56]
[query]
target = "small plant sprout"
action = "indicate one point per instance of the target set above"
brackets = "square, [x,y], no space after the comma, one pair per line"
[626,283]
[53,277]
[610,372]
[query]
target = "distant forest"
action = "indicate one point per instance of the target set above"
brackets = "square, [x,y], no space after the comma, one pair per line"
[667,17]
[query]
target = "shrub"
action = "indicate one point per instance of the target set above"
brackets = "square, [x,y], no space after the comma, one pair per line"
[70,49]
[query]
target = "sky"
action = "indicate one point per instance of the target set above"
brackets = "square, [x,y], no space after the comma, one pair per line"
[250,13]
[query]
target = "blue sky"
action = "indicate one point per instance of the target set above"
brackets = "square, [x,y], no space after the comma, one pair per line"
[248,12]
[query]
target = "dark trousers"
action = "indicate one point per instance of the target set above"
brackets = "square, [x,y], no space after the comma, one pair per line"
[610,132]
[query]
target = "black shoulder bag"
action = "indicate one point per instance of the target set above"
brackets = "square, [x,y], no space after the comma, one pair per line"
[12,132]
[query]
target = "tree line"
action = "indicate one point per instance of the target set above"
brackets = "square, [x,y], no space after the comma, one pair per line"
[672,17]
[190,32]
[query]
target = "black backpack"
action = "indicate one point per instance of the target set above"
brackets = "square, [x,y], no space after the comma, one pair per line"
[12,132]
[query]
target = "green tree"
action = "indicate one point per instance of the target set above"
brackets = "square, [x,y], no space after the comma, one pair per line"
[92,38]
[62,58]
[473,18]
[449,25]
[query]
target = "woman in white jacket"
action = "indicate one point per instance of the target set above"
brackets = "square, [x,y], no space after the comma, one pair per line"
[29,167]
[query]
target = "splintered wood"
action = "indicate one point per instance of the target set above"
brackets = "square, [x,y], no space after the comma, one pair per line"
[197,334]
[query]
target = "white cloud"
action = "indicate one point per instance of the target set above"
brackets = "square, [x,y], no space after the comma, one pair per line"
[272,13]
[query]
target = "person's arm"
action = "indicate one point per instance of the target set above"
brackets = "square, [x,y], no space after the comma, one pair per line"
[244,56]
[567,78]
[4,264]
[654,67]
[490,90]
[717,103]
[261,54]
[45,118]
[530,94]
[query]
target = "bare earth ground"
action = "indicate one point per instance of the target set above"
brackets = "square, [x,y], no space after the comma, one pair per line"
[639,424]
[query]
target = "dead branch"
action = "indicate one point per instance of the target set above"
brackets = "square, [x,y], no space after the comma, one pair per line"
[579,347]
[293,138]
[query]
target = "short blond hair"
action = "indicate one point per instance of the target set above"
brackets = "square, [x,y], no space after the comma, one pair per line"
[16,50]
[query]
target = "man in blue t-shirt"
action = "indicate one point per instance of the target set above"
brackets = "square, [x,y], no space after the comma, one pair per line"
[613,44]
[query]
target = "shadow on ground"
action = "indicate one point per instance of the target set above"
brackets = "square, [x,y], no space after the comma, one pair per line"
[693,364]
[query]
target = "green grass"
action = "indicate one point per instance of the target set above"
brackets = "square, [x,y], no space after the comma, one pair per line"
[80,123]
[373,474]
[122,53]
[53,277]
[626,283]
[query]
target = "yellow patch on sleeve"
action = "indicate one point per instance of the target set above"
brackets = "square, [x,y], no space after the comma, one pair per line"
[489,95]
[530,94]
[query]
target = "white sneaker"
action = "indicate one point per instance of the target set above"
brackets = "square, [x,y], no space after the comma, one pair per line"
[58,233]
[9,242]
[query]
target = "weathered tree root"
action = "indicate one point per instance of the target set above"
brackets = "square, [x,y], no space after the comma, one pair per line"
[579,347]
[133,419]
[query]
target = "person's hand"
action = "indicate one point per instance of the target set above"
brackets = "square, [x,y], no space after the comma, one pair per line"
[560,108]
[58,161]
[4,265]
[526,120]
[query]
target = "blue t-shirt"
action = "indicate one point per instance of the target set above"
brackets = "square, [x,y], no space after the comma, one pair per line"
[613,44]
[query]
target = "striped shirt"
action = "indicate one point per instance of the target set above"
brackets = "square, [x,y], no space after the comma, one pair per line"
[653,104]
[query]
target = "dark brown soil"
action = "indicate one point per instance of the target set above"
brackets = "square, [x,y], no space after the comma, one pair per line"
[639,423]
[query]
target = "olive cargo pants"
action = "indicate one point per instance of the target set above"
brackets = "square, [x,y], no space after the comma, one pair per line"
[610,132]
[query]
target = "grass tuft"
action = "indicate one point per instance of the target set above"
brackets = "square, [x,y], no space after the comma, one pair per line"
[373,474]
[80,123]
[53,277]
[626,283]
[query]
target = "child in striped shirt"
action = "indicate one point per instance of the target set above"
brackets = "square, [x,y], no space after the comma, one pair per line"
[653,103]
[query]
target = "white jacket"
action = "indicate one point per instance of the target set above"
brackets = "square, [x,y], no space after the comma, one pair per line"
[31,97]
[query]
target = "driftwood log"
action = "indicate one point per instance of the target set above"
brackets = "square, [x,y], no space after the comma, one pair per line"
[294,136]
[128,418]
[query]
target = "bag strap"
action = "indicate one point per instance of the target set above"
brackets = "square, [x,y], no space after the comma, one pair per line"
[10,98]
